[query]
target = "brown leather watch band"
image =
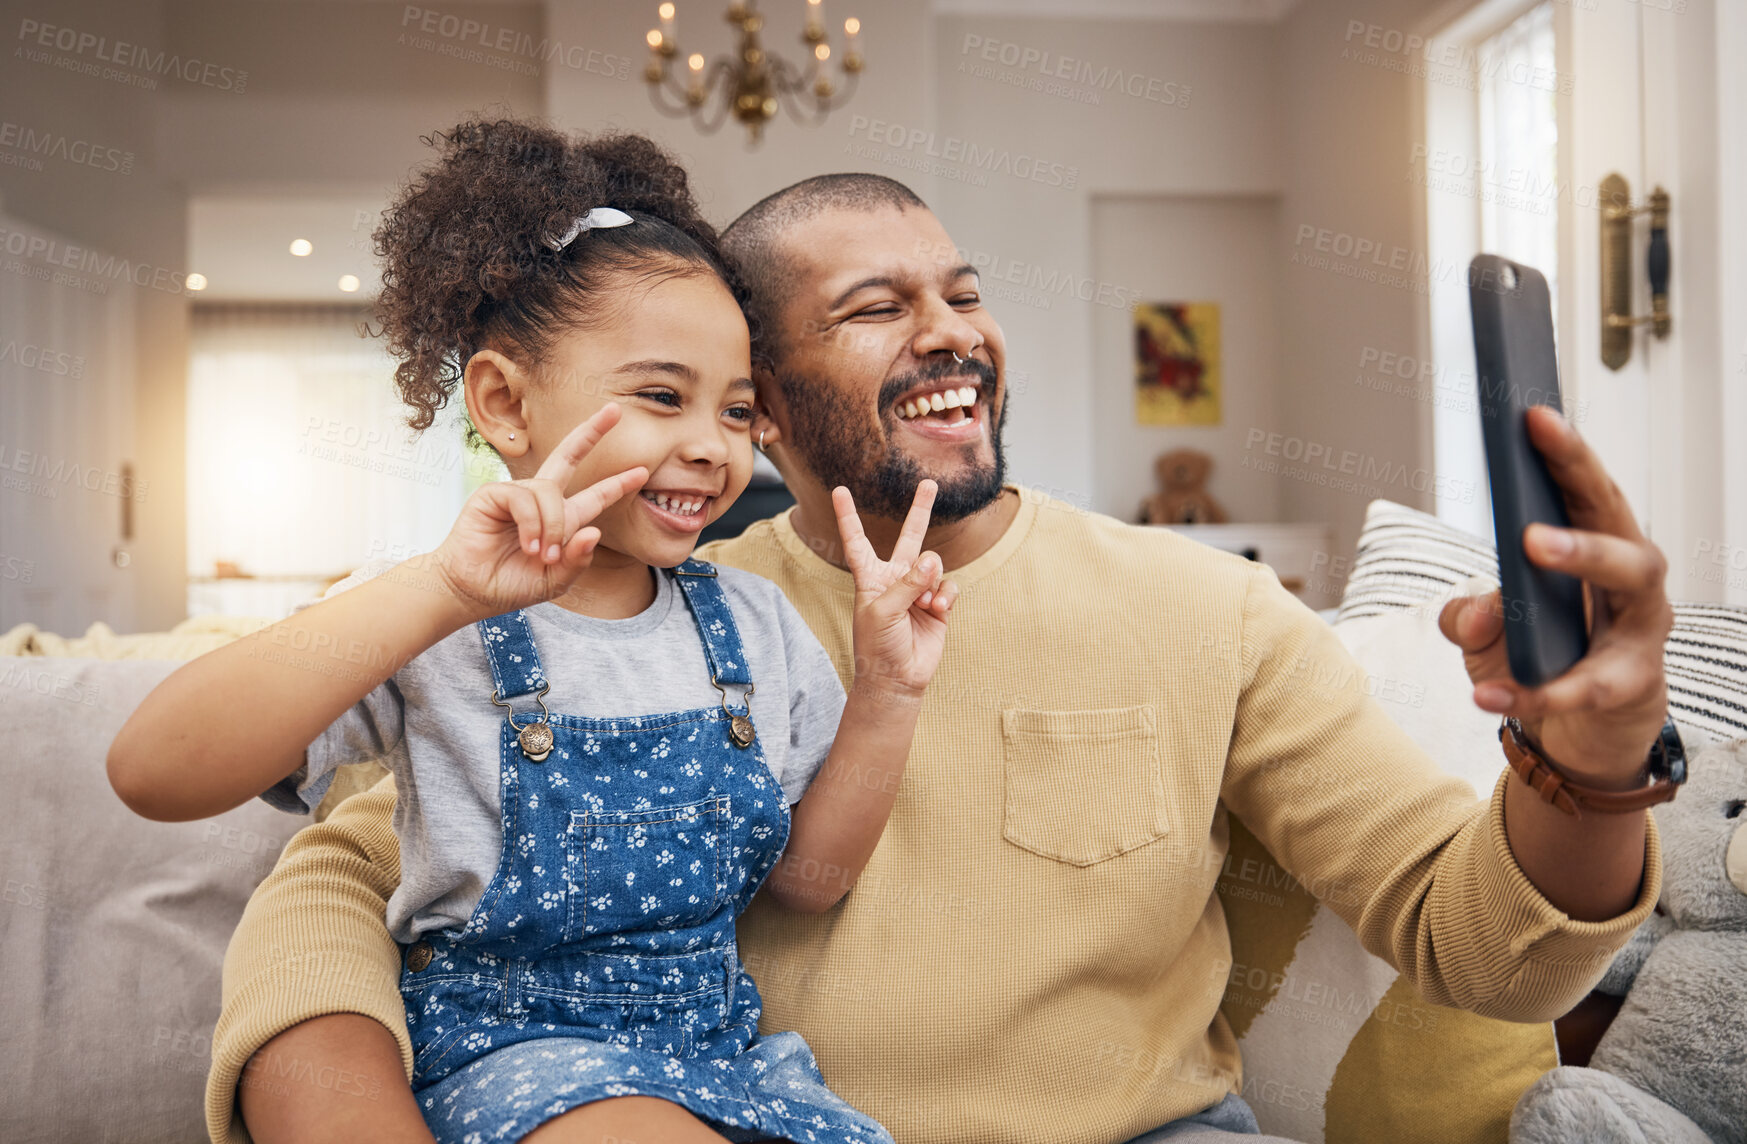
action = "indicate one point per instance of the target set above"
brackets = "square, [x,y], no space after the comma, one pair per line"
[1573,798]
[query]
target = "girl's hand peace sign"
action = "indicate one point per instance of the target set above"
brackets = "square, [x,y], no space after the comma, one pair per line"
[518,543]
[901,604]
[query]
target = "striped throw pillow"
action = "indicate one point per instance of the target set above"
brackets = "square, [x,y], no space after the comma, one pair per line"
[1407,558]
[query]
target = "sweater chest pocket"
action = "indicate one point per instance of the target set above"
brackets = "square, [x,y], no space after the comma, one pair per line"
[1083,786]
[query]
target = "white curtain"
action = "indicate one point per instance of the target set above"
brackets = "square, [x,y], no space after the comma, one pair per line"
[300,464]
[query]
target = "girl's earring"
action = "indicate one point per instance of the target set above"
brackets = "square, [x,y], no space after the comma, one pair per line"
[512,436]
[761,434]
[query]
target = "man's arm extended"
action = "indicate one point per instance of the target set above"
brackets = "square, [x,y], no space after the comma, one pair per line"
[312,1009]
[1597,721]
[1363,817]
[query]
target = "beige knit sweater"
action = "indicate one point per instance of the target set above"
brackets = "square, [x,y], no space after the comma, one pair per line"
[1040,913]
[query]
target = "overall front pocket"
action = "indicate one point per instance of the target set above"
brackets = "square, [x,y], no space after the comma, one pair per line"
[1083,786]
[659,868]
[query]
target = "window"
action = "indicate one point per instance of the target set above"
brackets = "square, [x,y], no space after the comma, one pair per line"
[300,464]
[1519,133]
[1491,180]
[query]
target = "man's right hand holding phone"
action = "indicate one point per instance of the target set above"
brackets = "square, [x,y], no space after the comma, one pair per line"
[1598,720]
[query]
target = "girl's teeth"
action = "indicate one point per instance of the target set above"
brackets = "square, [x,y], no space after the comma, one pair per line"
[675,504]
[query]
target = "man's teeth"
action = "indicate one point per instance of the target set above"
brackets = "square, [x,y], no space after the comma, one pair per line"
[682,506]
[964,397]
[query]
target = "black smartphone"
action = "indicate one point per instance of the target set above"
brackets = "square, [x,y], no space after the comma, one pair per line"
[1544,628]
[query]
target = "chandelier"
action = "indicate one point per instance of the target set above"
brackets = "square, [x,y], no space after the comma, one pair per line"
[750,84]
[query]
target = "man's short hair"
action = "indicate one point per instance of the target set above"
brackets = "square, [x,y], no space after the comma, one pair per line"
[753,242]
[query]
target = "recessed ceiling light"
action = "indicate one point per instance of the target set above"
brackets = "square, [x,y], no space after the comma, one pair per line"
[301,247]
[197,282]
[349,283]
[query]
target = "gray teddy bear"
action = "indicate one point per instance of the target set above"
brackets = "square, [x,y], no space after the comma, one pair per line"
[1672,1068]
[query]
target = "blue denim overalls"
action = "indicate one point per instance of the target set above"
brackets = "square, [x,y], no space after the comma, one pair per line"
[601,959]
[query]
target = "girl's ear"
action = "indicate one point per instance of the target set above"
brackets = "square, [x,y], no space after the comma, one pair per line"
[494,387]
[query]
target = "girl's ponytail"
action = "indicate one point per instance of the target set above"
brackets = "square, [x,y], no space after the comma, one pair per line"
[466,262]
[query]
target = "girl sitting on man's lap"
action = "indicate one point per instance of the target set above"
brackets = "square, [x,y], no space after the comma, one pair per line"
[599,744]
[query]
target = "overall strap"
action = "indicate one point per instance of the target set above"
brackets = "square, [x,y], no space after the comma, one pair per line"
[715,620]
[509,646]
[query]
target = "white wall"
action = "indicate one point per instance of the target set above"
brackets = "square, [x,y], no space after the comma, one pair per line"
[1186,249]
[133,212]
[1219,137]
[1349,124]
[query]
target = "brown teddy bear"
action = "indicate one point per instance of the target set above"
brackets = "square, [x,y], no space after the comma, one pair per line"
[1182,476]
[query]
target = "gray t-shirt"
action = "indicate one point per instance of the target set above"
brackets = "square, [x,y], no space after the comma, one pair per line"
[433,723]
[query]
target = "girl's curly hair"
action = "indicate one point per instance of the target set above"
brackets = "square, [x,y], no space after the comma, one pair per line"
[465,264]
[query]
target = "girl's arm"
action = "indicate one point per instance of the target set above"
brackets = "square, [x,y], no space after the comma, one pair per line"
[901,608]
[225,727]
[335,1077]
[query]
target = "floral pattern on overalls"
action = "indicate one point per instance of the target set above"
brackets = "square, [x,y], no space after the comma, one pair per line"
[601,959]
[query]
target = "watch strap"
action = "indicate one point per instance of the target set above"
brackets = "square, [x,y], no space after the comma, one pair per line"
[1573,798]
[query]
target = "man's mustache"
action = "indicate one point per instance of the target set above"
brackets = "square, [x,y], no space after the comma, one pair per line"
[897,387]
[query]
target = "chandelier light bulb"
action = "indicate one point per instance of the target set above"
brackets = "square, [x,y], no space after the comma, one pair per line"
[751,85]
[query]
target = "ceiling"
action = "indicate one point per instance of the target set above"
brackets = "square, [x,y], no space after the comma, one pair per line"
[1213,11]
[242,244]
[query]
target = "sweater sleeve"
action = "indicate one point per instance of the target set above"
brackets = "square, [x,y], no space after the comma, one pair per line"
[312,941]
[1358,813]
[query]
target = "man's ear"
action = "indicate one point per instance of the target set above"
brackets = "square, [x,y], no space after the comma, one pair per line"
[769,412]
[494,387]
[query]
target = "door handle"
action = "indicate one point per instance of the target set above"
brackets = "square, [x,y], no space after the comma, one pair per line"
[1617,319]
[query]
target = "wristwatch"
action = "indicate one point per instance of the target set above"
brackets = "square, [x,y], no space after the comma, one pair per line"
[1666,766]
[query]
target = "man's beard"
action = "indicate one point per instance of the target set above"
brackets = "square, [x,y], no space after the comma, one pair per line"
[824,424]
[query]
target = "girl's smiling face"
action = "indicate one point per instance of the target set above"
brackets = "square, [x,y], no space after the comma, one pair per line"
[676,356]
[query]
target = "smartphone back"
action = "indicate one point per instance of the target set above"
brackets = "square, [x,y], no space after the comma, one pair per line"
[1544,628]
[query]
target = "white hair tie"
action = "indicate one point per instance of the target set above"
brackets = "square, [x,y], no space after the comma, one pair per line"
[598,217]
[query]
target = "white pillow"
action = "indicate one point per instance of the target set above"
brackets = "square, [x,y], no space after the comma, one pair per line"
[1418,677]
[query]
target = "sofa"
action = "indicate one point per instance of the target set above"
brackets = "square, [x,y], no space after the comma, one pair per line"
[115,928]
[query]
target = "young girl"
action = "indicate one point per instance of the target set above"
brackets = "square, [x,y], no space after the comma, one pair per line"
[599,744]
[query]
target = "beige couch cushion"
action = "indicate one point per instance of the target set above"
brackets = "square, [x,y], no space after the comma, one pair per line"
[112,928]
[186,640]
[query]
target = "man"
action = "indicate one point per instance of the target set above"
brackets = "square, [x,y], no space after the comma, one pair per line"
[1108,694]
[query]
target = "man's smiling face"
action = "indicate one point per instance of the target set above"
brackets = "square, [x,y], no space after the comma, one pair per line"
[876,305]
